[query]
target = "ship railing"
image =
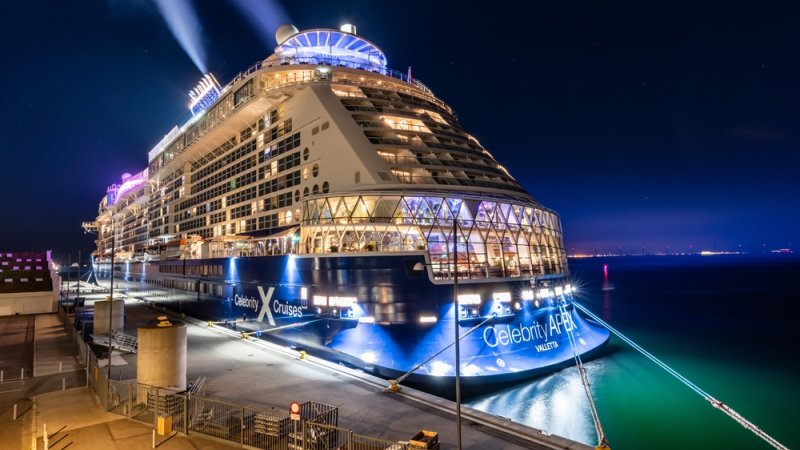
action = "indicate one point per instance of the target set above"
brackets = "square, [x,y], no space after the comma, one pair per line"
[336,62]
[329,61]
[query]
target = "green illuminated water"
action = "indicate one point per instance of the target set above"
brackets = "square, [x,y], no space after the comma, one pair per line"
[727,323]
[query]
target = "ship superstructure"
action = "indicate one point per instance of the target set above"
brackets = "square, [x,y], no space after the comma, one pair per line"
[320,185]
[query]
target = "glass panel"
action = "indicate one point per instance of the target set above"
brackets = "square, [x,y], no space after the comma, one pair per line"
[325,214]
[350,241]
[424,214]
[403,214]
[359,212]
[385,209]
[454,204]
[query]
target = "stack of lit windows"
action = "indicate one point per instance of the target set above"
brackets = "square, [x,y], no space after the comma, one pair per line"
[496,239]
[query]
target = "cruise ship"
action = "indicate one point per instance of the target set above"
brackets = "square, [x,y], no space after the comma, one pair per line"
[326,201]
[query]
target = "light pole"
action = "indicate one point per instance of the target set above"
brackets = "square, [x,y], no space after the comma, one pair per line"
[456,314]
[78,288]
[69,276]
[111,297]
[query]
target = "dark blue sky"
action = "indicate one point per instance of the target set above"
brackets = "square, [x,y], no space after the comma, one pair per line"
[642,125]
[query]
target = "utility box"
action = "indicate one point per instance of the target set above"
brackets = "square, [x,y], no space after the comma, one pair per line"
[425,439]
[164,426]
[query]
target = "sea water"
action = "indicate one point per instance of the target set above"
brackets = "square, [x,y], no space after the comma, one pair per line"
[728,323]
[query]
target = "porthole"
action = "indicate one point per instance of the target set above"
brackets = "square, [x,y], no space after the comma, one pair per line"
[326,187]
[305,192]
[305,154]
[315,190]
[297,195]
[315,170]
[305,173]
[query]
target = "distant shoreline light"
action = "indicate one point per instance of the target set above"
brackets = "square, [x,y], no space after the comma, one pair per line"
[777,251]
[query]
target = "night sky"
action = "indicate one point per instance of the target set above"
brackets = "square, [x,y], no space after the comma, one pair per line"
[646,126]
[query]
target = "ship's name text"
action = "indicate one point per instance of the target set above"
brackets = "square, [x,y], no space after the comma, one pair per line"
[245,302]
[277,305]
[287,309]
[503,335]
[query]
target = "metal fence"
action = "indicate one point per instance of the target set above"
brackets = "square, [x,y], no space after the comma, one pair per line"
[267,429]
[250,427]
[318,436]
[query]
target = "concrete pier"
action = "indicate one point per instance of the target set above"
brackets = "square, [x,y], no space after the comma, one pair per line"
[260,374]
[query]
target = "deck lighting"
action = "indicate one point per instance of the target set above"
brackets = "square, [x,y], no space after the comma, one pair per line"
[527,294]
[366,319]
[342,302]
[427,319]
[469,299]
[503,297]
[559,290]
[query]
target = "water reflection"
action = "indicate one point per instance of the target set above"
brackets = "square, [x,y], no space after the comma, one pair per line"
[556,404]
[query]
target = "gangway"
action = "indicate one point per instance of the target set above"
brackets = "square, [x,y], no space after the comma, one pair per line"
[119,341]
[124,342]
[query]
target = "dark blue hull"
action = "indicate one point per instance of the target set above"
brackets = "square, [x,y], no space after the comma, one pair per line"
[377,313]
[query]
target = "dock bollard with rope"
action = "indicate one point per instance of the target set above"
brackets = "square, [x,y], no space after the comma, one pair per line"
[394,385]
[602,441]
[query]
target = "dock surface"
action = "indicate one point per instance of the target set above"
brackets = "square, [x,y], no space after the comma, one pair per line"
[260,374]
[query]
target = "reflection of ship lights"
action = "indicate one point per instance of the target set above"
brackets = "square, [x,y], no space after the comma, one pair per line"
[440,368]
[370,357]
[471,370]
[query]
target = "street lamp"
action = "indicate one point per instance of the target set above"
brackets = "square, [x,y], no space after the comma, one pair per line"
[456,314]
[111,296]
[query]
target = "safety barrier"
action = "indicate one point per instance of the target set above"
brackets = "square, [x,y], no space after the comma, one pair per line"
[268,429]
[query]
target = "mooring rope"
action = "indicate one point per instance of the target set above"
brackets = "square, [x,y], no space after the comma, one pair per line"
[714,402]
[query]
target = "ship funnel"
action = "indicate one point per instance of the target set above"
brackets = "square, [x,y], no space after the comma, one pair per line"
[284,32]
[348,28]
